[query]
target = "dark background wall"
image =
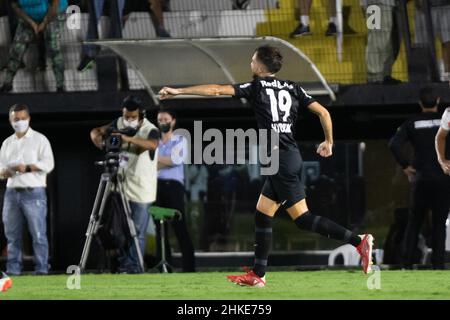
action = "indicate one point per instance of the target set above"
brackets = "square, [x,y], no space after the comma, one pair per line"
[73,183]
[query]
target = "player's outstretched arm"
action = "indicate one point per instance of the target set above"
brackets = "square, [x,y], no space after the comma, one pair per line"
[202,90]
[440,150]
[325,149]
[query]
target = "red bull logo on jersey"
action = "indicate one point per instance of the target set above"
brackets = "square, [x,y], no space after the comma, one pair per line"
[276,84]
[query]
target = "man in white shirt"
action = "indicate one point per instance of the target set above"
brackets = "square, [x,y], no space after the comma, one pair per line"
[26,158]
[441,137]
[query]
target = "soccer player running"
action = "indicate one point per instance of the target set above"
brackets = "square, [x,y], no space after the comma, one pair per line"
[276,104]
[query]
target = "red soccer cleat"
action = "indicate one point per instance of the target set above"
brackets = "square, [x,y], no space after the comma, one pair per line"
[5,282]
[365,251]
[249,279]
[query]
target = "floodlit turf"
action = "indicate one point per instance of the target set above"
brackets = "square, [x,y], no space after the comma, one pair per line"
[213,285]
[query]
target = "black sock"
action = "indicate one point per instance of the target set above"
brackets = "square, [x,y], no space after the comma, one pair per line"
[263,241]
[326,228]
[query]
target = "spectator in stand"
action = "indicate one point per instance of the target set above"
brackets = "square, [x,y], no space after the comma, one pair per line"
[382,44]
[156,14]
[37,18]
[155,9]
[440,17]
[303,28]
[91,51]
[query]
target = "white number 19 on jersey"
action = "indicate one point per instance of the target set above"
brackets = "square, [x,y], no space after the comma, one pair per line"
[283,103]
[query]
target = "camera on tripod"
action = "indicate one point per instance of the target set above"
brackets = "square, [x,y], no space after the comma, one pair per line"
[113,145]
[111,219]
[113,142]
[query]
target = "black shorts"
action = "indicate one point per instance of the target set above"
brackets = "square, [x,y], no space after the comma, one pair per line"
[286,186]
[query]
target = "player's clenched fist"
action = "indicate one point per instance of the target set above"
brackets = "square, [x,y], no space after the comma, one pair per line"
[325,149]
[445,165]
[167,93]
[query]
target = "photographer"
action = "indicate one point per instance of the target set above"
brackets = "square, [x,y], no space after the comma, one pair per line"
[137,169]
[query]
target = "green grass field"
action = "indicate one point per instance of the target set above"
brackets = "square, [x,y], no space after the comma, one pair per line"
[213,285]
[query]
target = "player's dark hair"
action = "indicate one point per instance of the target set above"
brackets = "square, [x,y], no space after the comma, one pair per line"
[270,57]
[428,97]
[19,107]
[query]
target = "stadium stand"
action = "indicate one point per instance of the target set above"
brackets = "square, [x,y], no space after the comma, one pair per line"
[201,18]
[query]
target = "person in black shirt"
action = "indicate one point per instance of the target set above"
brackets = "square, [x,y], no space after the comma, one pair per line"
[430,186]
[276,103]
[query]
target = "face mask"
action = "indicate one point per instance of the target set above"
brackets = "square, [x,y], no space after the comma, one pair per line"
[132,124]
[164,127]
[20,126]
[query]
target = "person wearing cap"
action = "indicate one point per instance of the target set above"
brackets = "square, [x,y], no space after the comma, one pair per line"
[137,170]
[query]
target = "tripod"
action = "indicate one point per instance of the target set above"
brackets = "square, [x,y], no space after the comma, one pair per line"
[108,180]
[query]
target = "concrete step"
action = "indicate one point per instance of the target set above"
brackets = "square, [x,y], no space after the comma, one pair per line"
[196,24]
[192,5]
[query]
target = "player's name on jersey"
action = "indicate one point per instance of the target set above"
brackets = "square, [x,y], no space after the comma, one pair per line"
[276,84]
[282,127]
[423,124]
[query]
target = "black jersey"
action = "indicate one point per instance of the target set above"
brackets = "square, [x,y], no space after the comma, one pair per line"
[420,130]
[276,104]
